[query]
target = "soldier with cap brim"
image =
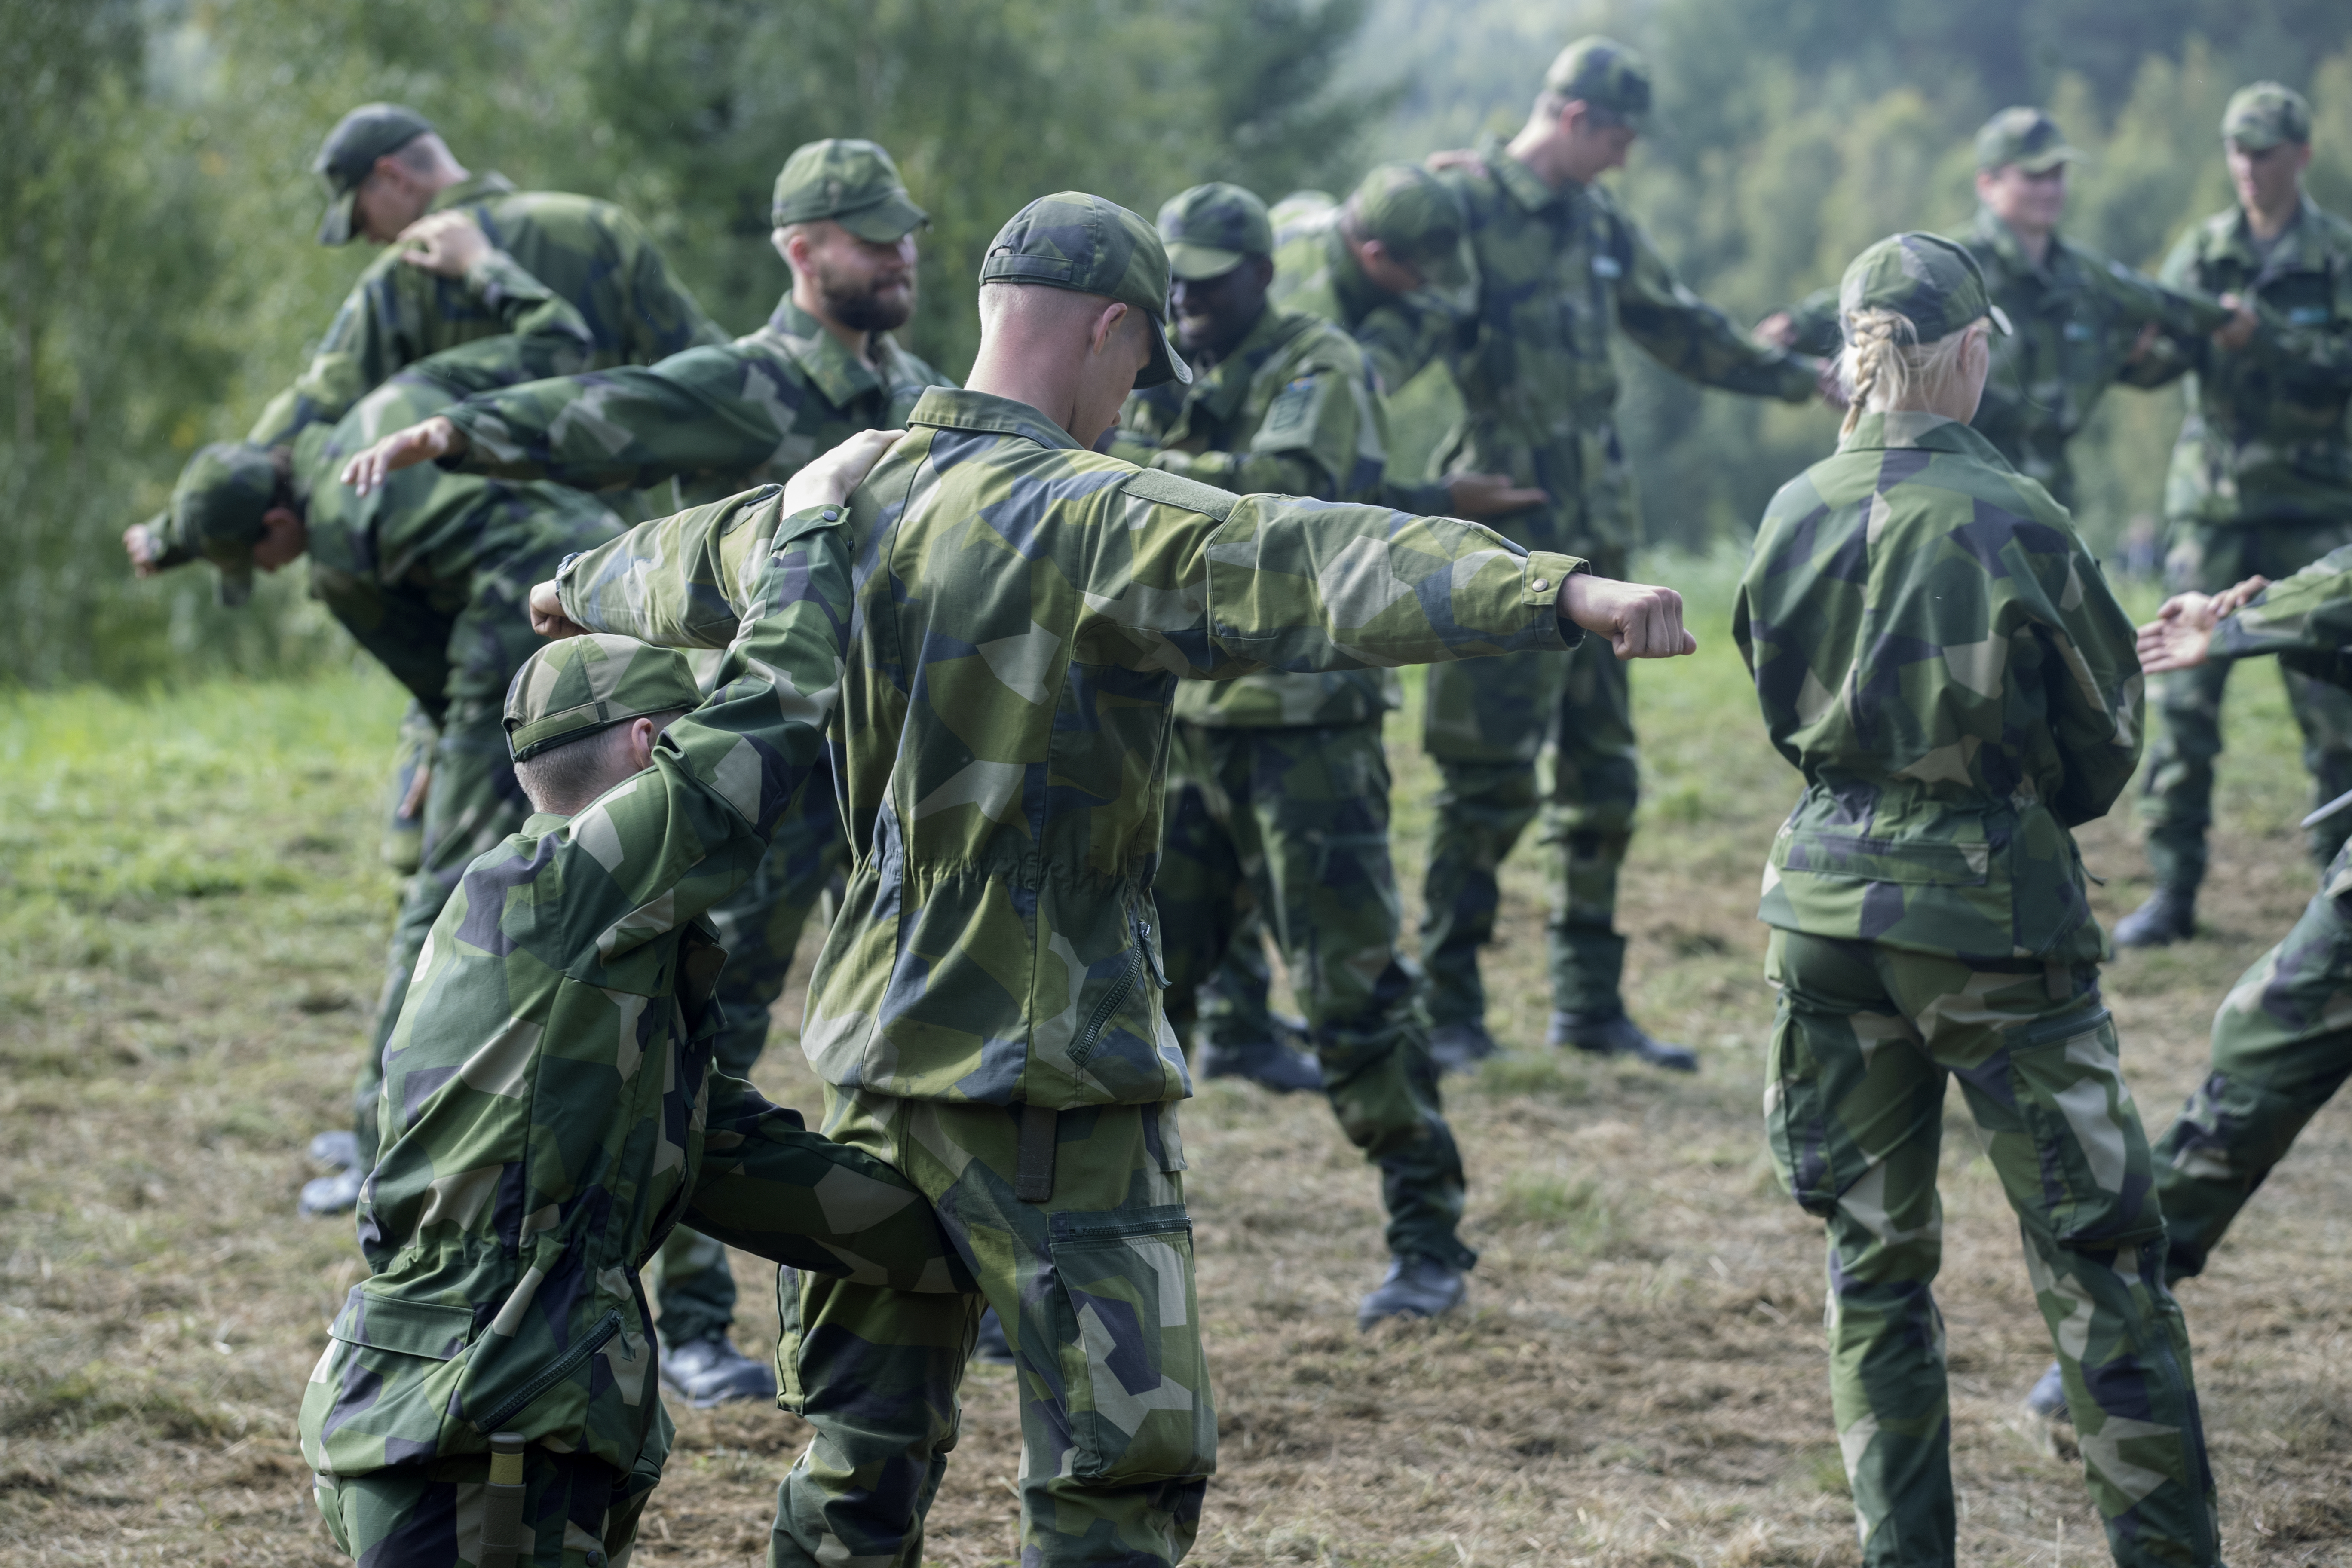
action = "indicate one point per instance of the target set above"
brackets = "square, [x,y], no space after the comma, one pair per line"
[986,1015]
[2083,323]
[715,419]
[1277,796]
[1561,272]
[1938,653]
[2261,482]
[551,1105]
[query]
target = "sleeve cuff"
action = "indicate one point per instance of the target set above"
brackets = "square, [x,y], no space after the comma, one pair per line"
[1539,588]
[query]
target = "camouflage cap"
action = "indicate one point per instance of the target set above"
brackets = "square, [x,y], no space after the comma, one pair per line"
[1417,217]
[574,687]
[1211,228]
[349,152]
[1089,246]
[2265,114]
[1605,74]
[1925,277]
[2025,137]
[853,182]
[216,510]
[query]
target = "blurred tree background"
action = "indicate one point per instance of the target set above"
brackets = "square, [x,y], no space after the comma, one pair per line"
[158,280]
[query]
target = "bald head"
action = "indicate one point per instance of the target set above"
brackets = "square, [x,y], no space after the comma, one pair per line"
[1074,357]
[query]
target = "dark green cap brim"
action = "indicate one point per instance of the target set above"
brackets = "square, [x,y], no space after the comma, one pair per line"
[335,228]
[2049,158]
[2253,138]
[1166,364]
[1197,263]
[886,222]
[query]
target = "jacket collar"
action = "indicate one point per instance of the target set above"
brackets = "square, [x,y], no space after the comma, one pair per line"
[839,376]
[1997,237]
[960,408]
[1521,183]
[475,188]
[1921,432]
[2297,248]
[1219,393]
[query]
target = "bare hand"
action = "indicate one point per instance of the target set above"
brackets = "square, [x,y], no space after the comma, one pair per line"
[2181,633]
[2238,331]
[547,616]
[1458,158]
[420,442]
[412,803]
[2230,600]
[140,544]
[1777,331]
[1477,496]
[448,243]
[2148,332]
[1639,621]
[828,480]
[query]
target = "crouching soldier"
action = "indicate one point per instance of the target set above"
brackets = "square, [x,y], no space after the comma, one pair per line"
[551,1110]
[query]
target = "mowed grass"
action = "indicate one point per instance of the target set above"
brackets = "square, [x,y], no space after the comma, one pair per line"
[193,916]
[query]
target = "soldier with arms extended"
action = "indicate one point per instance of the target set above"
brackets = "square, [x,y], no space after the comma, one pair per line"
[986,1015]
[2082,321]
[1938,653]
[1277,803]
[2260,483]
[1561,272]
[551,1105]
[714,420]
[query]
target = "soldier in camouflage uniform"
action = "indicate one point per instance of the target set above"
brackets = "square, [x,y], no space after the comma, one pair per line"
[2261,482]
[1277,801]
[1938,653]
[2083,321]
[715,419]
[986,1013]
[1560,272]
[553,1106]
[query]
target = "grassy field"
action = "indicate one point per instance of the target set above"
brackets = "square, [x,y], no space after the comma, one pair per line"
[192,917]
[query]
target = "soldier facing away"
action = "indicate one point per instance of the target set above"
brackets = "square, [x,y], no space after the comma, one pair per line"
[1936,652]
[986,1013]
[552,1105]
[2261,482]
[1560,272]
[712,420]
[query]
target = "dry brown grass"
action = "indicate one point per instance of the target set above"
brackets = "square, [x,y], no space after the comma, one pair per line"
[1639,1379]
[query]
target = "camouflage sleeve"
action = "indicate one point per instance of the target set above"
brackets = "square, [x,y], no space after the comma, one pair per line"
[1692,337]
[1403,334]
[2094,691]
[662,317]
[682,581]
[2306,618]
[2173,354]
[1312,442]
[628,428]
[545,334]
[1814,319]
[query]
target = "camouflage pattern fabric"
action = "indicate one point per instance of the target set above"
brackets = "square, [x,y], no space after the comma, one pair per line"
[1938,653]
[590,253]
[1291,826]
[2026,137]
[1210,229]
[1315,272]
[1865,1040]
[2265,114]
[404,836]
[1560,275]
[853,181]
[2077,317]
[1605,74]
[714,418]
[1094,1287]
[580,1511]
[550,1106]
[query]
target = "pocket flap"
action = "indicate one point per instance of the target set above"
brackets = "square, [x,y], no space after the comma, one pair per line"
[1923,861]
[428,1329]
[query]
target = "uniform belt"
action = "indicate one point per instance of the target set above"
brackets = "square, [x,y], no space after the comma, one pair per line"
[502,1531]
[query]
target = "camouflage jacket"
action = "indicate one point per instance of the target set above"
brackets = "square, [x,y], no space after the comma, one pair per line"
[1561,274]
[1316,272]
[398,565]
[1936,652]
[549,1107]
[1291,411]
[2266,439]
[1025,609]
[715,418]
[2305,619]
[589,252]
[2077,317]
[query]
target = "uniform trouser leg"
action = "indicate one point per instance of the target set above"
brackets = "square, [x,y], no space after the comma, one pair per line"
[1865,1040]
[1483,727]
[1235,1004]
[760,926]
[578,1512]
[471,804]
[404,836]
[1588,823]
[1095,1288]
[2282,1048]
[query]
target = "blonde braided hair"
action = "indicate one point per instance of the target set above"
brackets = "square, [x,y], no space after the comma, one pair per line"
[1885,366]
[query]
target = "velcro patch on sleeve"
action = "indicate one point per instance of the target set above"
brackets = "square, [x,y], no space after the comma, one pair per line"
[1152,485]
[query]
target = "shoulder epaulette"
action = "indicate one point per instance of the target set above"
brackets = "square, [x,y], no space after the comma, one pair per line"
[1173,490]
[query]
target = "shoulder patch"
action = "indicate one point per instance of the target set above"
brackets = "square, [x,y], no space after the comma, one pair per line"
[1173,490]
[1294,405]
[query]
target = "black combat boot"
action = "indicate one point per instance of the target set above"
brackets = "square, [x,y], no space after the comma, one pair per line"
[713,1372]
[1269,1064]
[1460,1048]
[1418,1285]
[2168,916]
[1615,1035]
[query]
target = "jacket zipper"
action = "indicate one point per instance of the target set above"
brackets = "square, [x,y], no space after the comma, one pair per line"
[559,1368]
[1143,941]
[1113,999]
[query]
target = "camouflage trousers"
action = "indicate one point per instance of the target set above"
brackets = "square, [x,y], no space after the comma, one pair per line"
[2282,1048]
[1864,1039]
[403,835]
[2177,800]
[1485,726]
[760,926]
[1094,1285]
[580,1511]
[1291,826]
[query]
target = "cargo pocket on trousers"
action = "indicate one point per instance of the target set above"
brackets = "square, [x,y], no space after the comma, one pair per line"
[1797,1122]
[1129,1328]
[789,1392]
[2097,1178]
